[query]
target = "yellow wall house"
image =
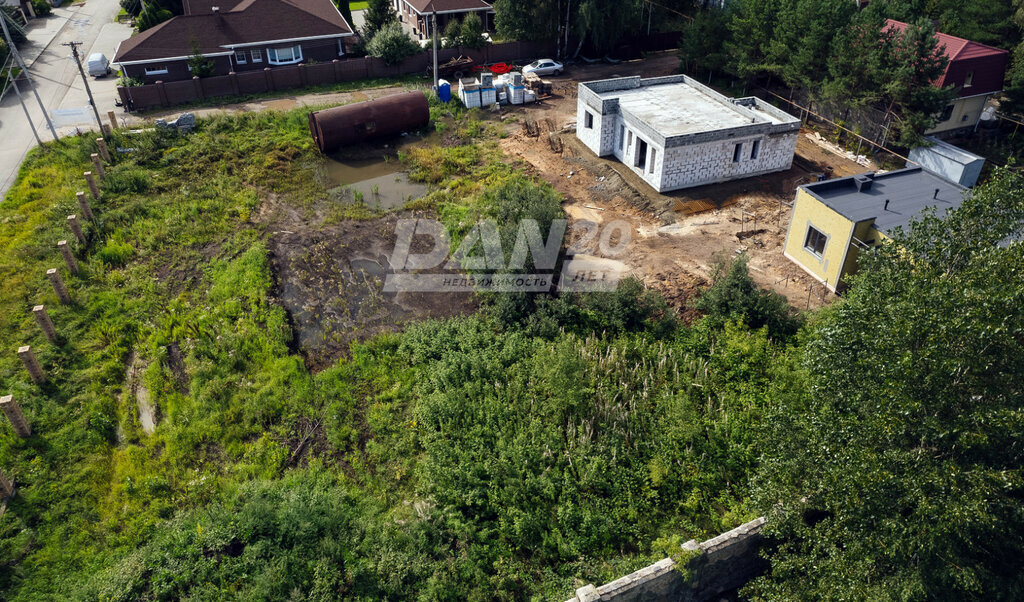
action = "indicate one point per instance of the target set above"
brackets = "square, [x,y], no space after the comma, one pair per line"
[832,221]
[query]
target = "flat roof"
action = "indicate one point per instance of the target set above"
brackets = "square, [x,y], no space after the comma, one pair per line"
[909,192]
[678,108]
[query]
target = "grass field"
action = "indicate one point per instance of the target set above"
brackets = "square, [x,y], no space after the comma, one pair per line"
[358,5]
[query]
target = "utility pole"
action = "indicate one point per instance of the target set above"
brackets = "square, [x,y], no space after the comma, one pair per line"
[434,31]
[85,80]
[24,69]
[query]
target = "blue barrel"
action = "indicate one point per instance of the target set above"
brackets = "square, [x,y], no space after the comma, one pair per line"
[444,90]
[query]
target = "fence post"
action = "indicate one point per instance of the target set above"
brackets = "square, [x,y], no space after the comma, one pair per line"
[335,63]
[15,416]
[58,286]
[198,85]
[102,144]
[162,93]
[31,364]
[113,120]
[6,487]
[233,78]
[45,324]
[267,73]
[69,259]
[84,205]
[98,165]
[76,228]
[91,181]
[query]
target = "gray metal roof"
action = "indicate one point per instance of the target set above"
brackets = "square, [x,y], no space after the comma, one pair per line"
[909,191]
[947,150]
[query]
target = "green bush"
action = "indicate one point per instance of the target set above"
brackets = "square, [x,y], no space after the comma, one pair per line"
[733,295]
[392,45]
[42,8]
[127,178]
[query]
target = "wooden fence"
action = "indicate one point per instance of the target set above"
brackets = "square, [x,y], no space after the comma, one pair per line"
[166,94]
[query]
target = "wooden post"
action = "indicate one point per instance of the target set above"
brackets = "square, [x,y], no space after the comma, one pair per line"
[6,487]
[83,203]
[45,324]
[69,259]
[58,286]
[76,228]
[92,187]
[12,410]
[31,364]
[104,152]
[113,120]
[98,165]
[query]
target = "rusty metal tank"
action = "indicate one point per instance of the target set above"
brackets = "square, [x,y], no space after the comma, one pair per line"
[357,122]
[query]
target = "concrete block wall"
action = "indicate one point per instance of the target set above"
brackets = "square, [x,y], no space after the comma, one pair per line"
[711,162]
[601,137]
[725,563]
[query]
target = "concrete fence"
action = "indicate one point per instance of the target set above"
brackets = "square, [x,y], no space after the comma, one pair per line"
[723,564]
[166,94]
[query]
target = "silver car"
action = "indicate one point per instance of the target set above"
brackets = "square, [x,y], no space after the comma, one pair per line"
[544,67]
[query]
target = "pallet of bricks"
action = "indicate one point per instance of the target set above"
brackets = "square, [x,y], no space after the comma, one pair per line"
[542,88]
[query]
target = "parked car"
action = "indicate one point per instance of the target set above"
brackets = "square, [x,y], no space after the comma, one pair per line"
[544,67]
[98,65]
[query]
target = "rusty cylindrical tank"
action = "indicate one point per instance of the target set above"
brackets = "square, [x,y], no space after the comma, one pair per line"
[349,124]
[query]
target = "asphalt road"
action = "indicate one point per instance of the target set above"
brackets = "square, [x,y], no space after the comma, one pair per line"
[58,82]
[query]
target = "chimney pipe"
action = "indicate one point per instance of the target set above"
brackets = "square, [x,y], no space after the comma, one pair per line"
[886,208]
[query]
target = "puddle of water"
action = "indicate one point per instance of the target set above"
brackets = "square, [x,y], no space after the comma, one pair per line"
[380,184]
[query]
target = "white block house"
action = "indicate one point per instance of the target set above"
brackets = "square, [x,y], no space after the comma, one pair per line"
[675,132]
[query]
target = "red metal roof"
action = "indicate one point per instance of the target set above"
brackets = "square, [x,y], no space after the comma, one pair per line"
[237,22]
[973,67]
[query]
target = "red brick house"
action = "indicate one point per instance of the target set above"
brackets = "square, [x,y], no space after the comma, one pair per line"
[237,35]
[419,14]
[976,71]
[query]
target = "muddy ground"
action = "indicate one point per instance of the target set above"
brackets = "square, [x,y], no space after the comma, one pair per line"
[678,236]
[330,278]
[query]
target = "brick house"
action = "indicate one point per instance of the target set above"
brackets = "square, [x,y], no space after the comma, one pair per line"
[976,71]
[419,14]
[675,132]
[237,35]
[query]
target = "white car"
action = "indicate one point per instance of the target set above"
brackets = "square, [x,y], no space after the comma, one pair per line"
[98,65]
[544,67]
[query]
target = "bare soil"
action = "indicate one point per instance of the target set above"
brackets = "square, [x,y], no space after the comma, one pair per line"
[330,278]
[677,236]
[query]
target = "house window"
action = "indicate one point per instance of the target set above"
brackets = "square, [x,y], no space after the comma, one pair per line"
[257,55]
[654,155]
[968,79]
[737,151]
[156,70]
[284,56]
[588,120]
[815,241]
[947,114]
[622,137]
[240,57]
[755,149]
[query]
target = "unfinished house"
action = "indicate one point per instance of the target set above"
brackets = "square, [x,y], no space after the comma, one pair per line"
[675,132]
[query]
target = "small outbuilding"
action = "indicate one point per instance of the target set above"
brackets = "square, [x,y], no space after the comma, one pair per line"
[833,221]
[950,162]
[675,132]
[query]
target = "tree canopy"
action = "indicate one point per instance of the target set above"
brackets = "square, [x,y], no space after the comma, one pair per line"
[894,471]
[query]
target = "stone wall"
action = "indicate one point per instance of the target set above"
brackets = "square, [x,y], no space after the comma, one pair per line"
[724,563]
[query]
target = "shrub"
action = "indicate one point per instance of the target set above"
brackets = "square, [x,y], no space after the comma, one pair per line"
[734,296]
[42,7]
[129,178]
[116,252]
[392,45]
